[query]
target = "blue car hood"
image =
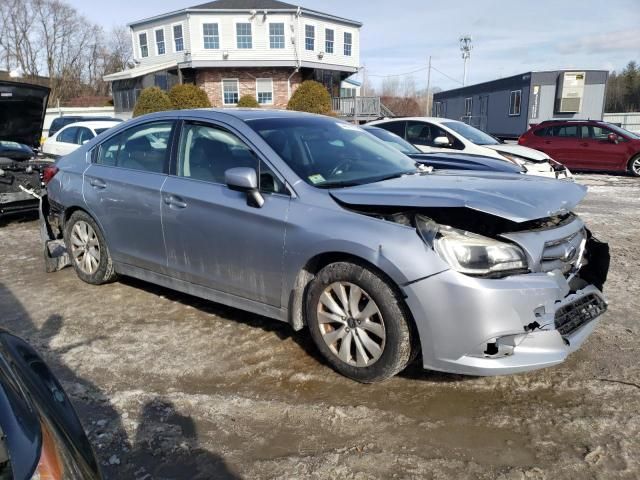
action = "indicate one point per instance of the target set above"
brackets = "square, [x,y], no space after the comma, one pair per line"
[519,198]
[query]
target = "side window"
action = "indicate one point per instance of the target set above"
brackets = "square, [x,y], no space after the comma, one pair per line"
[269,181]
[143,147]
[395,127]
[108,151]
[85,135]
[566,131]
[598,133]
[68,135]
[542,132]
[206,152]
[422,133]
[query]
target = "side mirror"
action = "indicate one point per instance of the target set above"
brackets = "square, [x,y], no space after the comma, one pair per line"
[441,142]
[85,142]
[613,138]
[244,179]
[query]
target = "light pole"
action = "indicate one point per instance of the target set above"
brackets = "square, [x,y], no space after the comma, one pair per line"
[465,48]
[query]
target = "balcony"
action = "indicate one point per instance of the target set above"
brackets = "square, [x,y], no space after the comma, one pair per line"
[357,108]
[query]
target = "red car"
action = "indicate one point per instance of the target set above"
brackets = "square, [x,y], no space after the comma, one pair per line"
[586,145]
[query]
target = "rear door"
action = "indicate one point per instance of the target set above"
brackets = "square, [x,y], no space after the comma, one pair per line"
[562,143]
[122,190]
[214,236]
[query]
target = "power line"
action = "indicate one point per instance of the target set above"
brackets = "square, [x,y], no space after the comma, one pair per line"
[398,74]
[449,77]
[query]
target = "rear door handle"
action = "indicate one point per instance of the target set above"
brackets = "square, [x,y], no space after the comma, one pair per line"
[174,201]
[97,183]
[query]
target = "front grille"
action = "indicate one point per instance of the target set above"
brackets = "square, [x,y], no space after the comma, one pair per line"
[563,254]
[571,317]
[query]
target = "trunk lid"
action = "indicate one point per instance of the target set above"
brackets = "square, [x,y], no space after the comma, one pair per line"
[22,110]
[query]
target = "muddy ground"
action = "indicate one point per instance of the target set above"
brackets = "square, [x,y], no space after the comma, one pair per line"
[170,386]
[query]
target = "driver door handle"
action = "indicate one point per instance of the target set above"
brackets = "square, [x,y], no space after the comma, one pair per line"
[174,201]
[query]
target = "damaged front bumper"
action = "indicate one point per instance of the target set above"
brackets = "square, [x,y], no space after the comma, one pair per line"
[479,326]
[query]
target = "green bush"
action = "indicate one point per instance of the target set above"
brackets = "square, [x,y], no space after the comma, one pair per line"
[151,100]
[188,96]
[311,97]
[248,101]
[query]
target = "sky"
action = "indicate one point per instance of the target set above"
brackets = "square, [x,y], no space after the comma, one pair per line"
[509,36]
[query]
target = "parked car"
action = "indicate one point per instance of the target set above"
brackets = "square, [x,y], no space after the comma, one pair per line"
[444,160]
[310,220]
[442,134]
[59,122]
[22,109]
[586,145]
[72,136]
[40,434]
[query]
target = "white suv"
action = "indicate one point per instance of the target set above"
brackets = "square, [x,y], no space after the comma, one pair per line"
[432,134]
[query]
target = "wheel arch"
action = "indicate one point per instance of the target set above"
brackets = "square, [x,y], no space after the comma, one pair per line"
[318,262]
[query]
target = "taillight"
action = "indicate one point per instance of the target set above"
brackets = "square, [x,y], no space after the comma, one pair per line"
[50,464]
[48,173]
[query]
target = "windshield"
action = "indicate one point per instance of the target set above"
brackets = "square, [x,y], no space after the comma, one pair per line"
[325,152]
[622,131]
[471,133]
[393,140]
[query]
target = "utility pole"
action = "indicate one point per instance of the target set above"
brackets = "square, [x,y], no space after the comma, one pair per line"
[465,48]
[429,106]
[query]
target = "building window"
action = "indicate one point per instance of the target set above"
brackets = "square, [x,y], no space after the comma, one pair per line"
[276,35]
[243,35]
[264,91]
[230,92]
[348,39]
[210,35]
[144,47]
[437,109]
[468,106]
[328,40]
[514,102]
[347,92]
[309,37]
[178,39]
[160,41]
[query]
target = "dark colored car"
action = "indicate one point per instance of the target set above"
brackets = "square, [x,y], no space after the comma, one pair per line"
[60,122]
[443,160]
[40,434]
[22,110]
[586,145]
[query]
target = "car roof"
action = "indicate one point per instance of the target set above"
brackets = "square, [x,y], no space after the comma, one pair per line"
[93,124]
[419,119]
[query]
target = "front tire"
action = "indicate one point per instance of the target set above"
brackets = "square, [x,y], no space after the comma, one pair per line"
[359,322]
[88,250]
[634,166]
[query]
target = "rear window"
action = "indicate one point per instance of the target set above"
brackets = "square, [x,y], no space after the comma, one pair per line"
[541,132]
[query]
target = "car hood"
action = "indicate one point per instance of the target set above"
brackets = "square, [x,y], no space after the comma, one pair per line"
[524,152]
[22,110]
[518,198]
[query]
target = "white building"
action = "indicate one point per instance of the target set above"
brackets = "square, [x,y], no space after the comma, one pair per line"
[230,48]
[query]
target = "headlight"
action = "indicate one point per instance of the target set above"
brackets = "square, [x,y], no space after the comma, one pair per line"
[470,253]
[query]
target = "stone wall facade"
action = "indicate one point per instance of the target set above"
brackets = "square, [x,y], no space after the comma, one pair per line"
[210,80]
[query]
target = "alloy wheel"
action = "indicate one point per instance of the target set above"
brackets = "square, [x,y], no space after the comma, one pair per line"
[635,165]
[85,247]
[351,324]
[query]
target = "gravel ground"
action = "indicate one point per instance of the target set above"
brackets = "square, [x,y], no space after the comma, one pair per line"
[170,386]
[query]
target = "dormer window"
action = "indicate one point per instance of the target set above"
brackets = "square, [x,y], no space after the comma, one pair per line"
[144,46]
[243,35]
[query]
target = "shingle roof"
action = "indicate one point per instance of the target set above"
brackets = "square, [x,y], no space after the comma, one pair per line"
[245,5]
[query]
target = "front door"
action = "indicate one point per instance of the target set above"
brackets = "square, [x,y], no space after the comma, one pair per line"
[562,143]
[598,152]
[214,236]
[122,190]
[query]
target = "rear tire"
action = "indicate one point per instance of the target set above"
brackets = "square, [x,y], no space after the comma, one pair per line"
[359,323]
[634,166]
[88,250]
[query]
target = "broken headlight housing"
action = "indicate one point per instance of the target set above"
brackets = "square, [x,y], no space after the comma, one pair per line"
[470,253]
